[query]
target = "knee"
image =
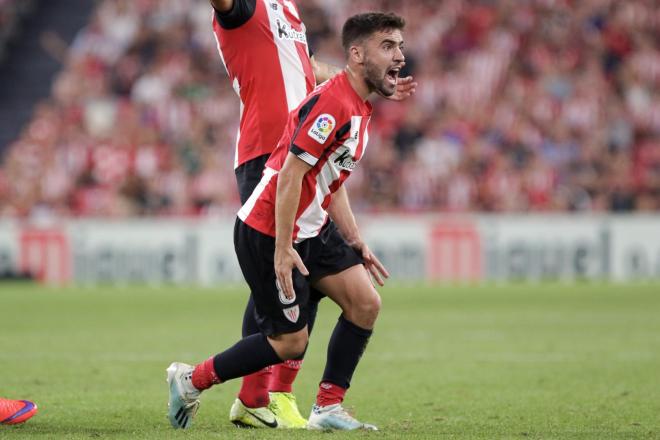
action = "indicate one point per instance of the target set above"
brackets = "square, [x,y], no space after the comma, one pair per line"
[292,346]
[371,307]
[366,310]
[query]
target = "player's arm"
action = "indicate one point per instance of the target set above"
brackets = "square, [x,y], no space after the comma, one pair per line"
[232,14]
[323,71]
[289,184]
[222,5]
[341,213]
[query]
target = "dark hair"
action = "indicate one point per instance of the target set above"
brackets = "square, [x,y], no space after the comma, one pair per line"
[361,26]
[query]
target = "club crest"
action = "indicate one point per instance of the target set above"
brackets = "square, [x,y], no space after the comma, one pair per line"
[292,313]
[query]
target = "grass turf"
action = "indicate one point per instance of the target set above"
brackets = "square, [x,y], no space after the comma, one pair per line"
[508,361]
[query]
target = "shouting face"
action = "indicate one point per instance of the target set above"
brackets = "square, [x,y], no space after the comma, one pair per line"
[383,60]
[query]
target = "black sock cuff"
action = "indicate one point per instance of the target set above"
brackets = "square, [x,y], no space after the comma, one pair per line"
[353,328]
[273,354]
[247,356]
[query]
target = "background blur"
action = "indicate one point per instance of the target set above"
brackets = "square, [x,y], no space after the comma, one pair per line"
[119,109]
[522,106]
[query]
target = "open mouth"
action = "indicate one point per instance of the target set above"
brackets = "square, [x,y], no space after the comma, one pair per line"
[392,75]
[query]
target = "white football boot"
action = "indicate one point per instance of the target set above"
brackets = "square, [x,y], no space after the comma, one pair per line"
[335,417]
[184,397]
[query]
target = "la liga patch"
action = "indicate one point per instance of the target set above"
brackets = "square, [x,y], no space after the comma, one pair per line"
[321,128]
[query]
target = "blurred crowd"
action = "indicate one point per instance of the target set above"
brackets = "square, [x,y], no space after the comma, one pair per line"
[522,105]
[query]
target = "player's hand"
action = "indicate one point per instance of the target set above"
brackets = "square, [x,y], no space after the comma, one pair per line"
[405,88]
[285,260]
[372,263]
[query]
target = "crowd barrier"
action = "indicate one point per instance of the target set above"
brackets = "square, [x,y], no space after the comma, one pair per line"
[414,248]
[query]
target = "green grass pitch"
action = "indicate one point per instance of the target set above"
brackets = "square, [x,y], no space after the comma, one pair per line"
[522,361]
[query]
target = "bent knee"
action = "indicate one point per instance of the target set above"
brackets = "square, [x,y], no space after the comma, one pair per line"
[370,306]
[364,311]
[291,346]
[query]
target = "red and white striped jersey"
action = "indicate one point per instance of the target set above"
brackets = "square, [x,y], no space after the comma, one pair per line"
[329,132]
[264,49]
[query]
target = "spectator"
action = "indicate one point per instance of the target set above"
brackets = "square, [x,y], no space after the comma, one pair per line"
[533,106]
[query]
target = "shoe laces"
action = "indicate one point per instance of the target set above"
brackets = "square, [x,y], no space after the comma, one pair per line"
[192,406]
[190,391]
[344,413]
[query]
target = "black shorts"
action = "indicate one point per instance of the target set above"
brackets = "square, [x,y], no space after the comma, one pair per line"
[326,254]
[248,176]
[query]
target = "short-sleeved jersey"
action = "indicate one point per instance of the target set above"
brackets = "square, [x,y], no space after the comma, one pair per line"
[263,46]
[329,132]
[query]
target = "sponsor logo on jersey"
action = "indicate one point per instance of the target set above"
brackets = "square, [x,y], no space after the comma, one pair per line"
[321,128]
[292,313]
[286,32]
[345,160]
[283,299]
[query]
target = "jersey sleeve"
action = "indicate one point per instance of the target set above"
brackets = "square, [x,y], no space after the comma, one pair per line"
[318,120]
[240,12]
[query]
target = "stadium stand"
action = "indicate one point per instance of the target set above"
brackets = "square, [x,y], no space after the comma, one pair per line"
[542,105]
[39,36]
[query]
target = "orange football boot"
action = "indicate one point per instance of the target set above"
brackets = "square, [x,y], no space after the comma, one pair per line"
[13,412]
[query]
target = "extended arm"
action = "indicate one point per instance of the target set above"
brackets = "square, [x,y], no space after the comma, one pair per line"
[289,184]
[341,213]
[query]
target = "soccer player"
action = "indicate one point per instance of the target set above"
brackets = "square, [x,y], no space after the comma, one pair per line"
[286,245]
[13,412]
[264,49]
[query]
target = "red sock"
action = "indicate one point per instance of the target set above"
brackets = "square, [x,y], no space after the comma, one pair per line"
[204,375]
[329,394]
[283,376]
[254,389]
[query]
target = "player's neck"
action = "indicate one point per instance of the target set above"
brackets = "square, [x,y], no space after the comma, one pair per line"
[358,83]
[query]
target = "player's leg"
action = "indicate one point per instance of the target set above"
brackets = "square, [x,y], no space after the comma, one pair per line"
[247,356]
[283,402]
[360,303]
[271,387]
[254,387]
[348,284]
[283,332]
[274,382]
[337,271]
[288,416]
